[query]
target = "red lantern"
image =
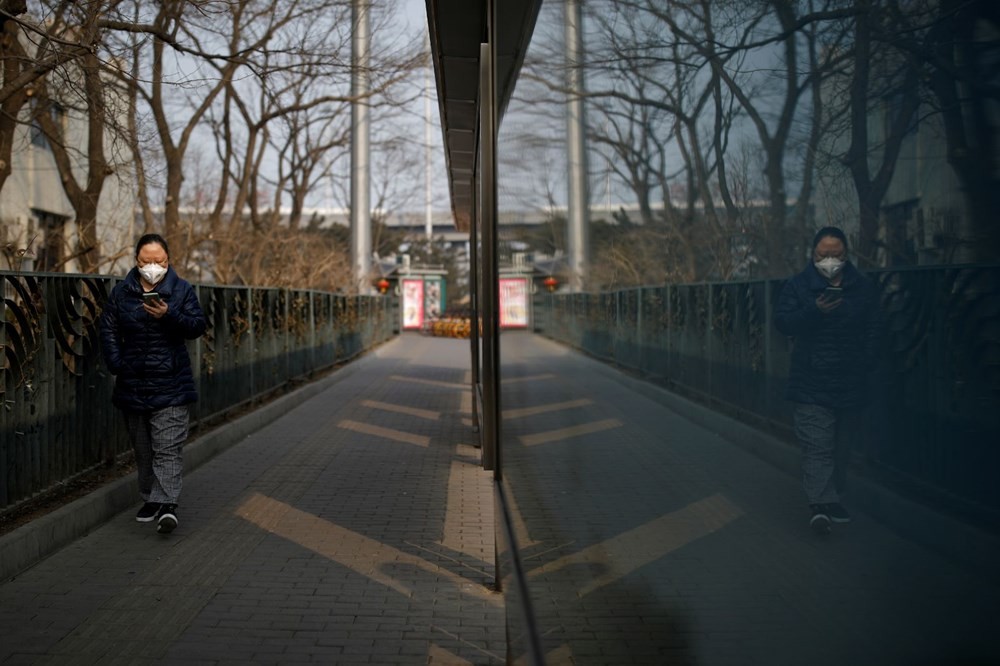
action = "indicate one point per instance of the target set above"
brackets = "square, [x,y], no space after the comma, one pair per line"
[550,283]
[383,285]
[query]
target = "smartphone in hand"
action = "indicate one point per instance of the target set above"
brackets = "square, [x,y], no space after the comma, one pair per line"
[831,294]
[151,298]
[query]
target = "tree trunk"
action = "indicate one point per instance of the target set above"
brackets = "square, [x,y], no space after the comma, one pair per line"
[971,136]
[12,55]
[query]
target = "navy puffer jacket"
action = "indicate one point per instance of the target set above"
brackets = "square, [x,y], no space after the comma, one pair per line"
[149,357]
[833,352]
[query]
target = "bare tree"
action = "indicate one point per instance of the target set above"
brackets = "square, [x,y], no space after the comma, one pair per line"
[29,50]
[956,44]
[14,90]
[78,87]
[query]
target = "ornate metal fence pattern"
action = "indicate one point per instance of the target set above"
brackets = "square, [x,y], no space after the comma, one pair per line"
[934,418]
[56,417]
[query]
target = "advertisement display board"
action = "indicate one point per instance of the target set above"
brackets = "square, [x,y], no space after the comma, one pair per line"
[413,304]
[514,302]
[433,298]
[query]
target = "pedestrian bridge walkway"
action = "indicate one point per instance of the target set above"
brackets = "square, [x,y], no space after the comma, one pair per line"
[358,527]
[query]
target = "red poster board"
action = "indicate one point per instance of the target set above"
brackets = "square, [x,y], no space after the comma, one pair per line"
[413,304]
[513,302]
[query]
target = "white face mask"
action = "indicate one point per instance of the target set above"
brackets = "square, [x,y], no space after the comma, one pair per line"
[152,273]
[829,267]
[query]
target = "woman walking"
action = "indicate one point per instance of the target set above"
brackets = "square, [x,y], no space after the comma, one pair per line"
[148,318]
[831,310]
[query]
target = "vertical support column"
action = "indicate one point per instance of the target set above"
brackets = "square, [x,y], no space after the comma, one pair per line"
[288,338]
[475,302]
[639,338]
[710,352]
[490,305]
[578,213]
[668,366]
[428,199]
[313,338]
[196,355]
[768,351]
[361,228]
[251,342]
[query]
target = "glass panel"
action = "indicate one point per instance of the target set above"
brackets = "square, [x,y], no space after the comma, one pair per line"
[659,502]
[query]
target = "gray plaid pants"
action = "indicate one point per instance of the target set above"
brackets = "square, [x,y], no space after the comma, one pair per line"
[825,435]
[157,439]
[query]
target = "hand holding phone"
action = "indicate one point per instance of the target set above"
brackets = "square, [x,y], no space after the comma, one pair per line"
[153,304]
[830,299]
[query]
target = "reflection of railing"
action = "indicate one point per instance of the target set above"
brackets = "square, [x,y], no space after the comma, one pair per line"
[56,418]
[934,421]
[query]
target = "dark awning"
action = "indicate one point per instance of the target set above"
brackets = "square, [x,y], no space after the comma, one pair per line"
[457,28]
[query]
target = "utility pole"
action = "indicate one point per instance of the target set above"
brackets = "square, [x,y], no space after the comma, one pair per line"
[578,210]
[428,200]
[361,223]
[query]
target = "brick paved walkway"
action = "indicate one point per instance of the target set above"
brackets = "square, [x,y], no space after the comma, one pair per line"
[650,540]
[355,529]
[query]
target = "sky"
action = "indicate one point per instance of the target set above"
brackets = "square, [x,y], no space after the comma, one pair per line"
[413,18]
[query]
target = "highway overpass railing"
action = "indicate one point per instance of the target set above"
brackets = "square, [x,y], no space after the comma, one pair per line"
[933,424]
[56,416]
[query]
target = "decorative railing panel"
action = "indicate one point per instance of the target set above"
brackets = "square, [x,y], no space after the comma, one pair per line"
[934,418]
[56,416]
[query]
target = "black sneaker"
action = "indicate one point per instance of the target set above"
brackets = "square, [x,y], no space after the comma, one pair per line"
[820,521]
[837,513]
[148,512]
[166,519]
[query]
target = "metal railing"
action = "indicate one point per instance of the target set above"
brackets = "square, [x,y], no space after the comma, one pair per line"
[934,419]
[56,416]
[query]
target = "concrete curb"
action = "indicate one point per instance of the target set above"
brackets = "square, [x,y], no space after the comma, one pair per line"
[918,522]
[29,544]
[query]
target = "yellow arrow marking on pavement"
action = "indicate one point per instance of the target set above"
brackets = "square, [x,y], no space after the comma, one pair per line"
[520,528]
[438,655]
[561,656]
[544,409]
[572,431]
[464,481]
[465,402]
[429,382]
[357,552]
[647,543]
[401,409]
[388,433]
[529,378]
[445,657]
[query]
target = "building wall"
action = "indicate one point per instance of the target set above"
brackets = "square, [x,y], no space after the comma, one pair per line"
[36,214]
[923,210]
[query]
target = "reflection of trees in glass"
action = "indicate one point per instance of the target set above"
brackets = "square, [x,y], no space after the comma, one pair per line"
[718,117]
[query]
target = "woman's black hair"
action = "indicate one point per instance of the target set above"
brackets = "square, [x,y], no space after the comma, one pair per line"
[830,232]
[151,238]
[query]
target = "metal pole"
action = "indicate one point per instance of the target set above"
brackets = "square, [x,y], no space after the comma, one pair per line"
[578,217]
[488,262]
[361,228]
[474,317]
[428,202]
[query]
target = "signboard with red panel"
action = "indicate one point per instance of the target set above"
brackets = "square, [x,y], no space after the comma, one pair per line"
[413,304]
[514,302]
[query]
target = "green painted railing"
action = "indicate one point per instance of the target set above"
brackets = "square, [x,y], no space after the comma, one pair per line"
[934,418]
[56,416]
